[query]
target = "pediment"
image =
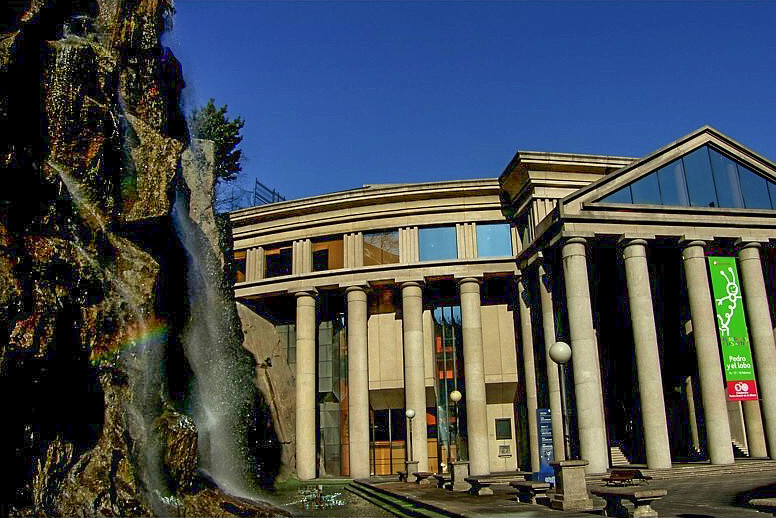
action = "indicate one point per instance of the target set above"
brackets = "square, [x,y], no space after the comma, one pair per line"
[704,170]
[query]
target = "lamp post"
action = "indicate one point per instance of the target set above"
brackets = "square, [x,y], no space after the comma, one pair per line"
[560,353]
[410,413]
[455,397]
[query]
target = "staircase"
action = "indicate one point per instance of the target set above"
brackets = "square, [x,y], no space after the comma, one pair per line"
[618,457]
[739,449]
[702,469]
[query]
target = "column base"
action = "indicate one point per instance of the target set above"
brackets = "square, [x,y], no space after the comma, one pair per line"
[459,470]
[571,486]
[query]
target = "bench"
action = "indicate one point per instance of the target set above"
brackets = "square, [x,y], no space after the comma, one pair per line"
[641,498]
[402,476]
[481,483]
[443,479]
[421,476]
[764,505]
[626,477]
[532,492]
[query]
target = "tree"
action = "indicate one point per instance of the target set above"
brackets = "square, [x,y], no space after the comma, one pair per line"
[212,123]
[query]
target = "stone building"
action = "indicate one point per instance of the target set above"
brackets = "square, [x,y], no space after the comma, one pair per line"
[390,297]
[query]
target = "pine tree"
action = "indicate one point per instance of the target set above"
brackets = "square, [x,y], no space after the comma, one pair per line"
[212,123]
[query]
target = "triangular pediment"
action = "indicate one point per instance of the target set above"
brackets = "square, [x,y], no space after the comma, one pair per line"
[705,169]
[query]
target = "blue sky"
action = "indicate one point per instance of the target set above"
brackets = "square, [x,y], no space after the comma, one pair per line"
[340,94]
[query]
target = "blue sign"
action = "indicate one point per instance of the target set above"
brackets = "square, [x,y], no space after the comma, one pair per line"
[546,455]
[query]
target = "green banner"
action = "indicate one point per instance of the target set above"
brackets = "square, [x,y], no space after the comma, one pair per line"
[732,329]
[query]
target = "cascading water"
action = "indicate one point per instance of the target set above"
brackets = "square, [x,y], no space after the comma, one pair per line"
[222,390]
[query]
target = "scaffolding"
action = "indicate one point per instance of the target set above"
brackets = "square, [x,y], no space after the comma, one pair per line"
[231,197]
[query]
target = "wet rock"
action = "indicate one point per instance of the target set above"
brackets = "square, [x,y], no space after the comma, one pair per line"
[177,435]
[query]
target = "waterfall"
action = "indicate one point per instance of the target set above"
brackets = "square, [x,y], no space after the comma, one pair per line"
[222,386]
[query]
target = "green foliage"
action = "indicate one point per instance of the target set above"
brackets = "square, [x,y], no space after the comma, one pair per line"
[212,123]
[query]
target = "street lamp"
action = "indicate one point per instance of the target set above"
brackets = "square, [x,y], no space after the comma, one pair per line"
[455,397]
[410,413]
[560,353]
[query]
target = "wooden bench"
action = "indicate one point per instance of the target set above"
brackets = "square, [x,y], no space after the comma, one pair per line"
[443,479]
[481,483]
[626,477]
[641,498]
[532,492]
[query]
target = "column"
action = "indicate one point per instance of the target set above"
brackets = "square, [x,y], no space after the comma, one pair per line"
[414,370]
[305,385]
[358,383]
[704,329]
[474,367]
[763,346]
[526,335]
[587,379]
[653,411]
[553,385]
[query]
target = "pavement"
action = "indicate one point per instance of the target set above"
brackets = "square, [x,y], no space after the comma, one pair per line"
[694,495]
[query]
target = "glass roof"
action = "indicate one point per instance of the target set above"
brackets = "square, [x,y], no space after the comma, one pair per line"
[705,177]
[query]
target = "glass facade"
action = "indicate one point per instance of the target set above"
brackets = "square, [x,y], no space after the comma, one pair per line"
[494,240]
[702,178]
[328,254]
[278,261]
[436,243]
[381,247]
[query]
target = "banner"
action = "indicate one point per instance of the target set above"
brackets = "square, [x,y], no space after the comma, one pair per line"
[546,455]
[732,329]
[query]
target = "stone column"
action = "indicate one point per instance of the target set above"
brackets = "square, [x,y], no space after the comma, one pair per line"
[587,379]
[553,384]
[704,331]
[305,385]
[414,370]
[358,383]
[526,335]
[689,393]
[763,346]
[653,411]
[474,367]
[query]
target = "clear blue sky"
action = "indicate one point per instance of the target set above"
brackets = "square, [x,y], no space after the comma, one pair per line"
[340,94]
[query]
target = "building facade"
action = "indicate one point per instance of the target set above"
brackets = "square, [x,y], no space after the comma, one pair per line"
[390,297]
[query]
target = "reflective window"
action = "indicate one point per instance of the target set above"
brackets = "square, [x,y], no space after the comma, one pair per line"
[700,184]
[494,240]
[726,180]
[702,178]
[673,190]
[239,265]
[503,429]
[437,243]
[381,247]
[278,261]
[328,255]
[645,190]
[754,189]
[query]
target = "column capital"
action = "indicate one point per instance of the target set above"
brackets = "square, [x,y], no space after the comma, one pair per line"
[357,287]
[573,240]
[690,249]
[633,248]
[410,284]
[311,292]
[467,280]
[687,241]
[626,241]
[746,243]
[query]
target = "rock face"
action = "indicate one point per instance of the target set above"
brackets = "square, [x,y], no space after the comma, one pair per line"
[91,272]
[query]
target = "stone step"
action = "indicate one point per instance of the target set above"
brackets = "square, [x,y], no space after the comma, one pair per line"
[692,470]
[393,503]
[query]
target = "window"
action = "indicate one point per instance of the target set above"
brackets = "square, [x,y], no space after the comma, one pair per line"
[381,247]
[328,255]
[278,261]
[704,177]
[239,265]
[503,429]
[494,240]
[437,243]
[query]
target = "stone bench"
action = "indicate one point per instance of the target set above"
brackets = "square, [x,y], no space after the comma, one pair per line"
[764,505]
[443,479]
[421,477]
[532,492]
[641,498]
[481,483]
[402,476]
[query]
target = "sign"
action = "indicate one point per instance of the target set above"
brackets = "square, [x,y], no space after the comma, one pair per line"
[732,329]
[546,454]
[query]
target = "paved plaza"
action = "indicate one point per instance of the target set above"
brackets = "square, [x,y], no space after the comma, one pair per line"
[701,495]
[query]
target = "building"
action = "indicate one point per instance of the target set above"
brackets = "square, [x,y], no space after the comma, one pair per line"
[389,297]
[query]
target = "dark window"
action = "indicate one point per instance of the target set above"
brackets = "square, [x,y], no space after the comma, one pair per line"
[278,261]
[328,255]
[503,429]
[673,189]
[239,265]
[320,260]
[700,184]
[646,191]
[754,189]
